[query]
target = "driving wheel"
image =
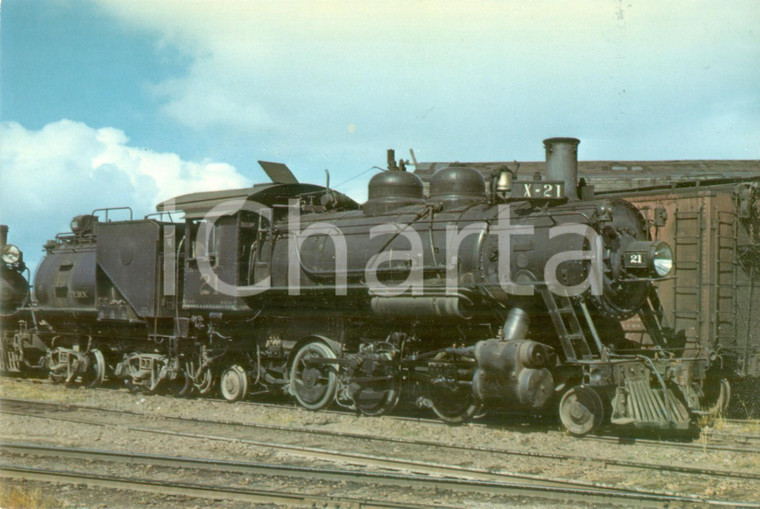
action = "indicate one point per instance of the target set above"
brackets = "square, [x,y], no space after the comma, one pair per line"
[454,404]
[313,383]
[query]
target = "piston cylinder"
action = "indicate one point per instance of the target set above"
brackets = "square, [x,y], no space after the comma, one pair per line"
[513,372]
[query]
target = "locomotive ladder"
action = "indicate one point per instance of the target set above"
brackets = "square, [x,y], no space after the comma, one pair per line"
[568,326]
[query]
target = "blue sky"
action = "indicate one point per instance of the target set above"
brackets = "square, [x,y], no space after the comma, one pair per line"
[116,102]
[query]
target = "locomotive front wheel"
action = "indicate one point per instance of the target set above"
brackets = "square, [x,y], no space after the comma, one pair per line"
[313,384]
[234,383]
[96,371]
[581,410]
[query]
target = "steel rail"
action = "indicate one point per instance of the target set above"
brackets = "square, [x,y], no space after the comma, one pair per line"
[679,445]
[198,490]
[742,421]
[535,490]
[360,436]
[620,439]
[740,437]
[292,406]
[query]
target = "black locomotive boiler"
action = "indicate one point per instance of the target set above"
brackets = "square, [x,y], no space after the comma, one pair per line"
[486,293]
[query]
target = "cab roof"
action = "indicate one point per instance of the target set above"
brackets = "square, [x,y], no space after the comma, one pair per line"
[197,205]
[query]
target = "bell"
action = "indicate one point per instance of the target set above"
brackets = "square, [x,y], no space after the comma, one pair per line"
[504,183]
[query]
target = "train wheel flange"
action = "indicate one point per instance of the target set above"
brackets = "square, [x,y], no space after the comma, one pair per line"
[175,385]
[96,371]
[200,380]
[313,385]
[374,401]
[454,405]
[204,382]
[234,383]
[381,390]
[581,410]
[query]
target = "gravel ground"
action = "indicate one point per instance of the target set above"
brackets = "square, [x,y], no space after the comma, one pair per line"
[538,437]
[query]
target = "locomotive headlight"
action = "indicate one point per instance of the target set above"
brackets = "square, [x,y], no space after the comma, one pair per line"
[654,257]
[662,259]
[11,254]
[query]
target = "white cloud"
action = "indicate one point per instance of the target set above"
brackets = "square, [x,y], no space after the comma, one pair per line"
[71,168]
[468,80]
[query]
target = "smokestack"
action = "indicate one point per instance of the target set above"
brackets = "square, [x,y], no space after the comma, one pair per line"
[562,163]
[3,235]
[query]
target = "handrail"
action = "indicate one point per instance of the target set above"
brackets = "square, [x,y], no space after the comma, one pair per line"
[108,209]
[160,216]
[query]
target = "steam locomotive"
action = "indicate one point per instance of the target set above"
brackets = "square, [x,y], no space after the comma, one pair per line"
[490,293]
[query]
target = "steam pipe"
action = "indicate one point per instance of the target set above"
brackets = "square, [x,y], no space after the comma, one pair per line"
[516,324]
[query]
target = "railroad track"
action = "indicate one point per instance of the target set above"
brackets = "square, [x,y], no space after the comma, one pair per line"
[44,410]
[743,438]
[402,414]
[698,445]
[730,442]
[565,492]
[742,421]
[183,487]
